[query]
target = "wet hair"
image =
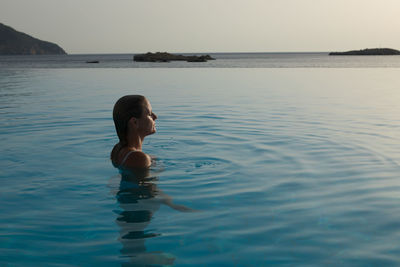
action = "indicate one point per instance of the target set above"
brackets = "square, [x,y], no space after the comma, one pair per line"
[124,109]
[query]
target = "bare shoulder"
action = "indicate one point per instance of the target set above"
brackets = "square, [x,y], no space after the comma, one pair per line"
[138,159]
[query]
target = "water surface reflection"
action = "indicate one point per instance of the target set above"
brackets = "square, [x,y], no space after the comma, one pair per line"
[139,199]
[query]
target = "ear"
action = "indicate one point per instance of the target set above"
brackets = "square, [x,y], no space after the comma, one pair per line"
[133,122]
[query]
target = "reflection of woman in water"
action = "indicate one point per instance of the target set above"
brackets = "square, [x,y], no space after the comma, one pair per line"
[138,200]
[138,195]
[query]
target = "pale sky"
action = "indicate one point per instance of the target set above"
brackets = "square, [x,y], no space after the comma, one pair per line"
[135,26]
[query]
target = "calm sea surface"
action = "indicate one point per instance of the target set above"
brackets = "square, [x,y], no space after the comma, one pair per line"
[280,162]
[223,60]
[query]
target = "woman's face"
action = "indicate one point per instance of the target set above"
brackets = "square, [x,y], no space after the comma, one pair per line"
[146,123]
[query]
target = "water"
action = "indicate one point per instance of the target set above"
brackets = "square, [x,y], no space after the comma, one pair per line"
[283,166]
[223,60]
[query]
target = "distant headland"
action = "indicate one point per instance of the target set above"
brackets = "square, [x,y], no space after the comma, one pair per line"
[167,57]
[13,42]
[368,52]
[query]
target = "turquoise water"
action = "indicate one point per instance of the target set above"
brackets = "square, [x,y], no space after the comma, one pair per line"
[293,167]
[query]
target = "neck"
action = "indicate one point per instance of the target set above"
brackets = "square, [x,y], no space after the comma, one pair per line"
[135,142]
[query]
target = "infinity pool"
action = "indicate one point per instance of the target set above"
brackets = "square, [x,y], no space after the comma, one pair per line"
[255,167]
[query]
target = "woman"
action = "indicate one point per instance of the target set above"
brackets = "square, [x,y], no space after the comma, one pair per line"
[134,120]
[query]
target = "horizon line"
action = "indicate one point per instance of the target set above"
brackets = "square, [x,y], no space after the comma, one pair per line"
[270,52]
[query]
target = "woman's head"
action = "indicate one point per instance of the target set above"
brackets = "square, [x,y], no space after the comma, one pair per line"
[132,110]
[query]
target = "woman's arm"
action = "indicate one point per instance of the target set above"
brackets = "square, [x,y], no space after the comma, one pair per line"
[167,200]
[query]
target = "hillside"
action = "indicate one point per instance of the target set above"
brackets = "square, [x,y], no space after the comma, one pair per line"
[13,42]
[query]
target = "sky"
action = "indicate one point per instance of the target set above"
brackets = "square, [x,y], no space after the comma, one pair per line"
[138,26]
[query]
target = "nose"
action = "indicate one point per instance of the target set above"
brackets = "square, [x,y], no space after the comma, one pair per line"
[154,116]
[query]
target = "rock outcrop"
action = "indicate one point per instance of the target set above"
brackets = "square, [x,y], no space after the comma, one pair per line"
[368,52]
[167,57]
[13,42]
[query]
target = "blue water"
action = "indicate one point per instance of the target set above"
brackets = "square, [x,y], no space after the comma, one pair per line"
[283,166]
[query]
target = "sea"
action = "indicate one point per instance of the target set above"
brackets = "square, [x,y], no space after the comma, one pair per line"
[223,60]
[261,159]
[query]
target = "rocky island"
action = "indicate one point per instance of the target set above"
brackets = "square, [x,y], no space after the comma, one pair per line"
[13,42]
[167,57]
[368,52]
